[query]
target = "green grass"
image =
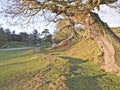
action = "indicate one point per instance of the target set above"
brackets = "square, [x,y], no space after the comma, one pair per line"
[14,44]
[52,70]
[85,49]
[17,63]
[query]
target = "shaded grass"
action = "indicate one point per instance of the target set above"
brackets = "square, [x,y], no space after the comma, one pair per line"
[84,75]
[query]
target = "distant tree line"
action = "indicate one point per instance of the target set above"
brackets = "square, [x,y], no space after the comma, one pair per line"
[34,38]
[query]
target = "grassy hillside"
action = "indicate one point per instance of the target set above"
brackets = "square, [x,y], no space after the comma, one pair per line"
[116,31]
[53,70]
[85,49]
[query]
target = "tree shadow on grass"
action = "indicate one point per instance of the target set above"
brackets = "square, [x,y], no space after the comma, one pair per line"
[74,63]
[79,82]
[78,79]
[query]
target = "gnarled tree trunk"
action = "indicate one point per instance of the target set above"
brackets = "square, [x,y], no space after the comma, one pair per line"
[108,42]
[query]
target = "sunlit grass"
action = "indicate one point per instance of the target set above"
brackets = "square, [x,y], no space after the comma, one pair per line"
[55,70]
[85,49]
[13,63]
[116,31]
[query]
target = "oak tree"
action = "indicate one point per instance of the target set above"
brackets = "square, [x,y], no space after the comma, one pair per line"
[80,12]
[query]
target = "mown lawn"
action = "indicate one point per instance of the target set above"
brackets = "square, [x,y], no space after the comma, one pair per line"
[52,70]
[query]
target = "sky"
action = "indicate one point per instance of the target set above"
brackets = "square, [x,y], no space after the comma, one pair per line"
[40,26]
[108,15]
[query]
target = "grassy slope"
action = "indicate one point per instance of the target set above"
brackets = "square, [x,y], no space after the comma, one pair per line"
[116,31]
[61,69]
[85,50]
[52,70]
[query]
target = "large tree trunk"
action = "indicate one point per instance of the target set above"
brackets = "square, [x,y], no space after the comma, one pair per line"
[108,42]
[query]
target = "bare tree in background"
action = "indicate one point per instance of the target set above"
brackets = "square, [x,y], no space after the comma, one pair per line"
[76,11]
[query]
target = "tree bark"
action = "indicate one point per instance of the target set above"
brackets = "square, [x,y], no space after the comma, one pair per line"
[108,42]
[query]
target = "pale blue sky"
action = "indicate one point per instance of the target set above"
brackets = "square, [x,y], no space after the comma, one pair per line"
[108,15]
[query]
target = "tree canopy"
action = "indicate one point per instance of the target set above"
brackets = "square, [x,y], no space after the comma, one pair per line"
[67,8]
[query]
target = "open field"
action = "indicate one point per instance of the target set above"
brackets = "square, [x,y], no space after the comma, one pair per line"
[52,70]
